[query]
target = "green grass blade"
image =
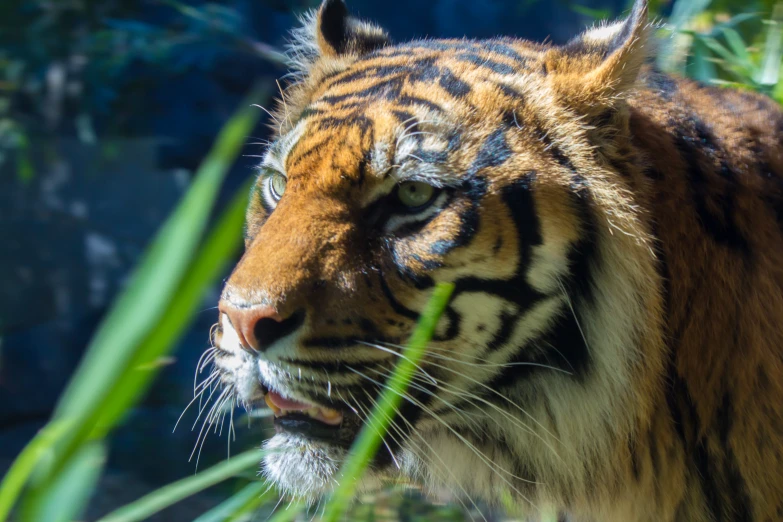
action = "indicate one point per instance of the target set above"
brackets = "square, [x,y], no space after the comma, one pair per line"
[36,450]
[369,439]
[286,513]
[175,492]
[222,242]
[737,45]
[72,488]
[701,67]
[241,505]
[769,73]
[674,50]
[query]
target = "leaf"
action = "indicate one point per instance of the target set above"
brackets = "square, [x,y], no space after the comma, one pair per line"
[701,67]
[730,62]
[141,306]
[674,49]
[222,242]
[740,51]
[170,494]
[370,437]
[241,504]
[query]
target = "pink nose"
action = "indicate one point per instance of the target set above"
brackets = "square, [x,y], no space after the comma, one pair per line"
[258,327]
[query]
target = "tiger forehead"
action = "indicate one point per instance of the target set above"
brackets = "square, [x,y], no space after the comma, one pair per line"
[378,145]
[399,112]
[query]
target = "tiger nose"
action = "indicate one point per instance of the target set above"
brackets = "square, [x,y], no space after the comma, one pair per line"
[258,327]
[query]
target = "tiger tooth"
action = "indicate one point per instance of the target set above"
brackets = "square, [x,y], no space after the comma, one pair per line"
[330,414]
[272,405]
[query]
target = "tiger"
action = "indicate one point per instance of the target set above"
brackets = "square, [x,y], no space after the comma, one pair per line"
[612,349]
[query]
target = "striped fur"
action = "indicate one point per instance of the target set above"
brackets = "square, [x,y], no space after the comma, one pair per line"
[612,350]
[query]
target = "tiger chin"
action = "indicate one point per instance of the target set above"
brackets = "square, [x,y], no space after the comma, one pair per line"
[612,348]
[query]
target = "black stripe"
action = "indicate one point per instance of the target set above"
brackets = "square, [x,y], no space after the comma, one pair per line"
[497,46]
[398,307]
[485,63]
[519,200]
[715,465]
[453,85]
[579,282]
[474,190]
[633,452]
[714,205]
[494,152]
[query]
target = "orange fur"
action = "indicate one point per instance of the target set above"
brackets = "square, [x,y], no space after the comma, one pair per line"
[626,229]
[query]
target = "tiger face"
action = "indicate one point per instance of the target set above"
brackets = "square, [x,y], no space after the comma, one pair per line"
[491,165]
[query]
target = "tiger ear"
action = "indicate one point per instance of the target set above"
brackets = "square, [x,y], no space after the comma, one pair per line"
[338,33]
[603,63]
[330,33]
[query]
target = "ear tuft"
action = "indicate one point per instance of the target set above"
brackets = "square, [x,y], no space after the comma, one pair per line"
[333,26]
[602,63]
[340,34]
[330,32]
[605,38]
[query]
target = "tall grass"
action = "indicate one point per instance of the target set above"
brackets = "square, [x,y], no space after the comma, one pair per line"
[55,474]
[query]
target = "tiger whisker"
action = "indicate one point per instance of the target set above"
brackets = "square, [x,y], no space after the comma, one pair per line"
[460,412]
[201,409]
[522,410]
[269,113]
[573,312]
[445,467]
[514,420]
[411,126]
[478,364]
[285,104]
[231,430]
[196,397]
[493,466]
[402,356]
[275,508]
[383,440]
[205,427]
[393,425]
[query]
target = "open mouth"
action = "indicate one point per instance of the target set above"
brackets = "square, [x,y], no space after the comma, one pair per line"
[311,420]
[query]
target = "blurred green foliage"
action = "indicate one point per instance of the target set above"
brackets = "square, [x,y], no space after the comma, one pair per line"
[58,469]
[726,43]
[64,63]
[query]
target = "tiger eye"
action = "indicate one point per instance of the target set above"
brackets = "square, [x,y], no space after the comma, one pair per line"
[277,183]
[415,193]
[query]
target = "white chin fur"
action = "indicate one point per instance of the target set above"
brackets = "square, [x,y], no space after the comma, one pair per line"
[301,467]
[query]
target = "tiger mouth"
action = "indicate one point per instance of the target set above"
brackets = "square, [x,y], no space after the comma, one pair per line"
[305,418]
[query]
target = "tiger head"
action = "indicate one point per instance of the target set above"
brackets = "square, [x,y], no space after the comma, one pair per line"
[500,166]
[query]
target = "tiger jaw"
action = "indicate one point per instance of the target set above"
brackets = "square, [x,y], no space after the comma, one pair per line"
[311,440]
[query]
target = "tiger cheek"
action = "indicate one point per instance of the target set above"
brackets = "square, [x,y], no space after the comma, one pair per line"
[487,244]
